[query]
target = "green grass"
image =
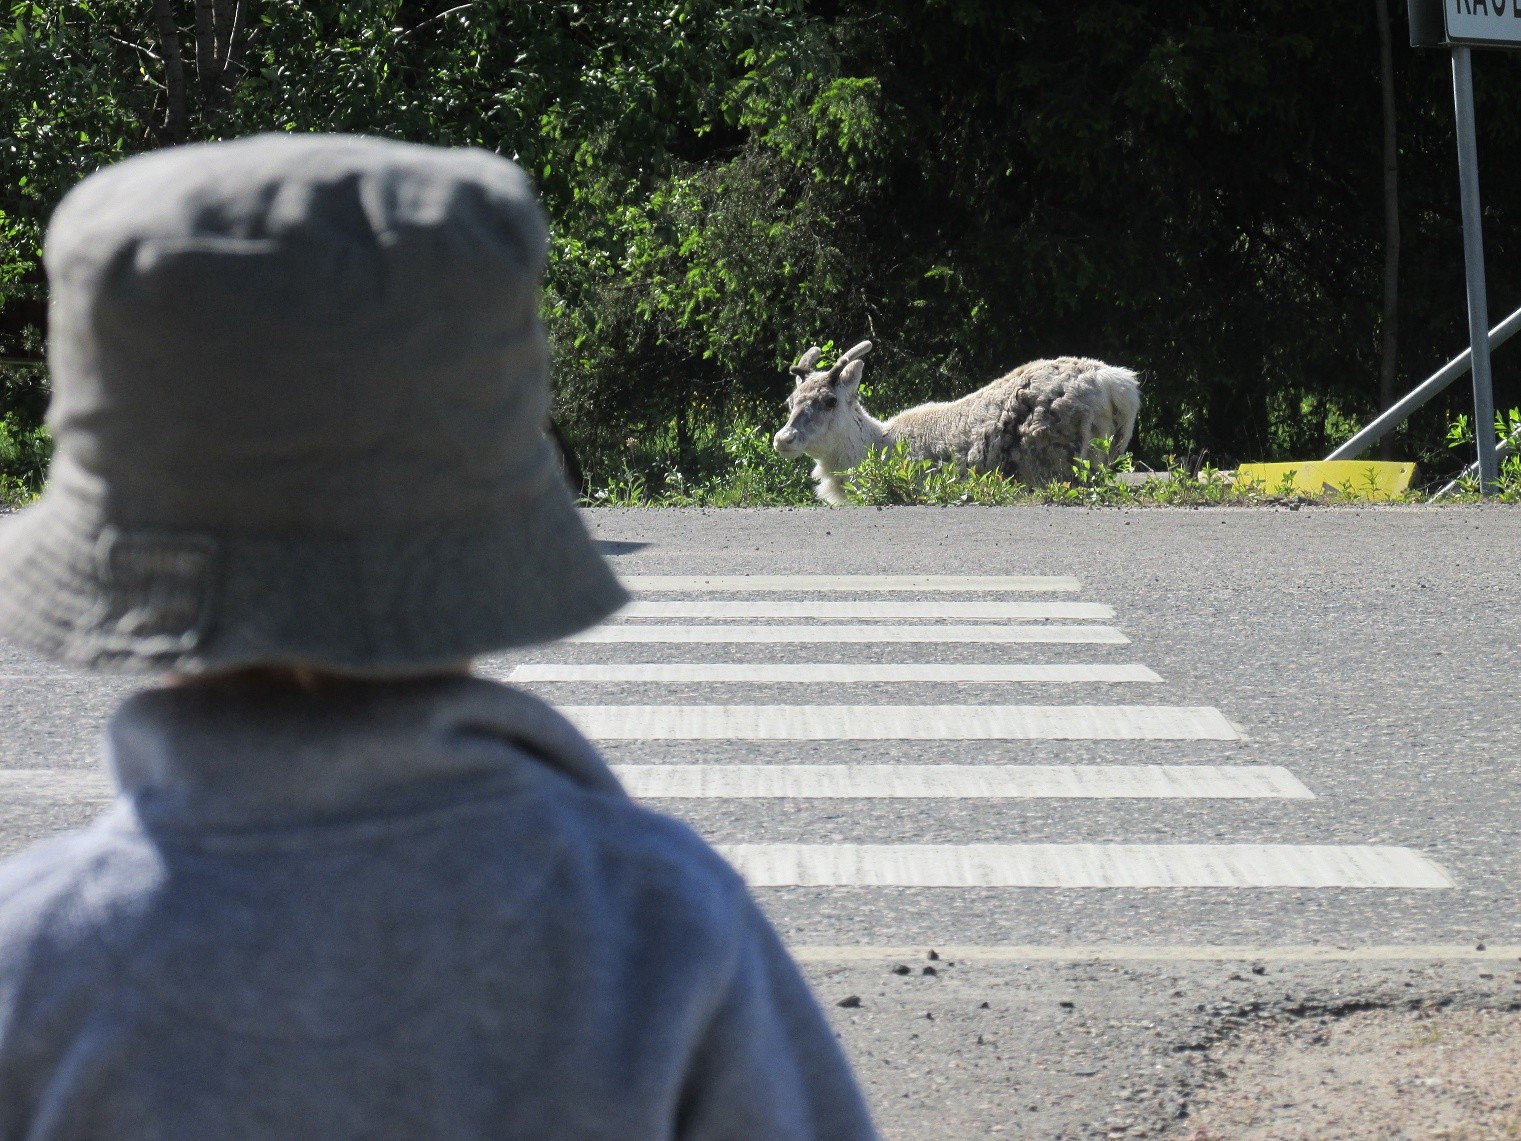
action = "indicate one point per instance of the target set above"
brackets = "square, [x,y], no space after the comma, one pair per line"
[755,477]
[760,478]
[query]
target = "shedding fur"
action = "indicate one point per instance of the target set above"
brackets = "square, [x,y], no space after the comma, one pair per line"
[1030,425]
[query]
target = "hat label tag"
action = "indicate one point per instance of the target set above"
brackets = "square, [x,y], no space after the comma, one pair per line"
[158,589]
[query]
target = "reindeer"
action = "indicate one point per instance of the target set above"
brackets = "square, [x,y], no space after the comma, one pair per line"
[1032,424]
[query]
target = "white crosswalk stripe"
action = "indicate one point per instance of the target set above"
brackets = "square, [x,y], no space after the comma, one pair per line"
[42,785]
[847,673]
[900,722]
[686,583]
[1083,865]
[1226,782]
[1506,953]
[873,610]
[834,635]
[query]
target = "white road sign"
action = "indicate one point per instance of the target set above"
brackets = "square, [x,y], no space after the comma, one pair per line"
[1496,22]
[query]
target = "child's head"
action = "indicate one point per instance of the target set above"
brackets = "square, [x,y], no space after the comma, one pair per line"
[299,392]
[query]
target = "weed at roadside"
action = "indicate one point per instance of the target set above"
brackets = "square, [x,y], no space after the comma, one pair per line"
[24,456]
[1508,434]
[891,477]
[757,477]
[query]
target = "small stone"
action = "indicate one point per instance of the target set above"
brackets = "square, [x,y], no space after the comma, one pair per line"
[1259,969]
[930,1015]
[931,971]
[934,956]
[1066,1005]
[900,969]
[1480,947]
[850,1002]
[984,1006]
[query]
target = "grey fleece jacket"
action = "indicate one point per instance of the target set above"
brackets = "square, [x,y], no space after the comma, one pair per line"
[410,910]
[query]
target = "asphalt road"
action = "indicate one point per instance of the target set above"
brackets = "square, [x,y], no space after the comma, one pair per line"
[1372,654]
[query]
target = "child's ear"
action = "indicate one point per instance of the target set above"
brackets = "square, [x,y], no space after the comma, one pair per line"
[850,377]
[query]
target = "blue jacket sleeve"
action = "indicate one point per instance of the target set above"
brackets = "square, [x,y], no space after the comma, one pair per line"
[768,1067]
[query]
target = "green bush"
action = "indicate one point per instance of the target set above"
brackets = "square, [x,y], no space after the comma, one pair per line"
[24,455]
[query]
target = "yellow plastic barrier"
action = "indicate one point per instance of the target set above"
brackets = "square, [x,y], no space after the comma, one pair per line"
[1357,479]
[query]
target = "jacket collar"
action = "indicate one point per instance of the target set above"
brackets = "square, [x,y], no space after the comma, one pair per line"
[242,753]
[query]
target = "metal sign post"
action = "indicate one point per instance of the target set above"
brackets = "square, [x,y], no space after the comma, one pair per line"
[1473,262]
[1462,25]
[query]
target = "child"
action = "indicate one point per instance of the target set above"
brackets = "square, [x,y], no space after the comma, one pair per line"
[346,889]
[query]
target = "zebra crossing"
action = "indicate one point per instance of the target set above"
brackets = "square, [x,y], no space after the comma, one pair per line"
[822,610]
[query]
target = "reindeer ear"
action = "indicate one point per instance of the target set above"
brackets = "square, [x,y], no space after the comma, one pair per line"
[850,377]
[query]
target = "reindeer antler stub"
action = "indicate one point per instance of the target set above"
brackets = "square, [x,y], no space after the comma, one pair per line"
[806,362]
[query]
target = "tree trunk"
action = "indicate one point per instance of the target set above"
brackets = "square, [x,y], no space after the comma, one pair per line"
[1389,324]
[206,48]
[173,129]
[219,41]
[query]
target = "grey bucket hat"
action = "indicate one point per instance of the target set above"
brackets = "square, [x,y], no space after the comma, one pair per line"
[299,391]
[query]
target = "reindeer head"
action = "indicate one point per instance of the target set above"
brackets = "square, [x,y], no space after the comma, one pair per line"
[822,405]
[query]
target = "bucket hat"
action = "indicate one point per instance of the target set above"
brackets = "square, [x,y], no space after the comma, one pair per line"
[299,392]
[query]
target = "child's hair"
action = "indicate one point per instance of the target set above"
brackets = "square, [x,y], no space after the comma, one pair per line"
[300,676]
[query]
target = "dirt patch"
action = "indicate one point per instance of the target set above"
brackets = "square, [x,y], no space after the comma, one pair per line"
[1373,1075]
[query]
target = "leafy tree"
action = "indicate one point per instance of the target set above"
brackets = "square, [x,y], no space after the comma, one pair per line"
[1189,188]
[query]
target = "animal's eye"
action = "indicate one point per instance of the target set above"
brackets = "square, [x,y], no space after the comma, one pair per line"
[830,401]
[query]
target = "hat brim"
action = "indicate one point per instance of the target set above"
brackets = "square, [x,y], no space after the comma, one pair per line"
[80,589]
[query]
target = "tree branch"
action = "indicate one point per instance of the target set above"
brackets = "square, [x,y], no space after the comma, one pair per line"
[434,20]
[149,52]
[232,29]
